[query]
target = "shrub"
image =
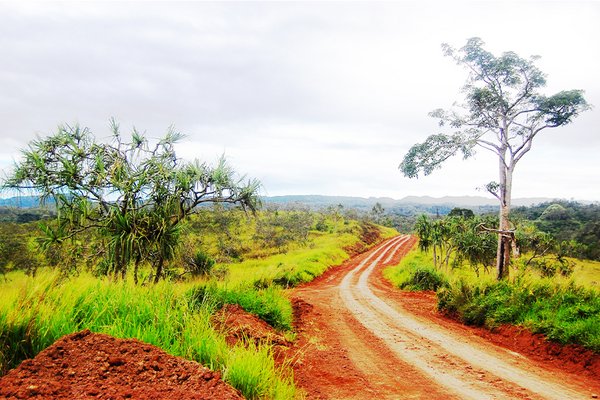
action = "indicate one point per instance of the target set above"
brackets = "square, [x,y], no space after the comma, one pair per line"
[424,278]
[201,264]
[564,313]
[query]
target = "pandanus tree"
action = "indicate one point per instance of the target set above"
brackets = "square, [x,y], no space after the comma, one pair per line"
[133,193]
[503,112]
[437,235]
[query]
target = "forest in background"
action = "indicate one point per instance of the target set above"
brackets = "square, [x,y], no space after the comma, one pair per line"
[575,225]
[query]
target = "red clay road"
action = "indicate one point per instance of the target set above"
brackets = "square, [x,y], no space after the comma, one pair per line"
[360,338]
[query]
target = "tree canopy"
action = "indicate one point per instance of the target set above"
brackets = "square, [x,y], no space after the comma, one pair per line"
[503,110]
[133,192]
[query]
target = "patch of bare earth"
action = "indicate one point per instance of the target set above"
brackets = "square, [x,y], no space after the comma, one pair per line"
[87,365]
[239,325]
[358,337]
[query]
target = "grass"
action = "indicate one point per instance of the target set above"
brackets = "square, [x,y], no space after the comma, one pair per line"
[565,313]
[174,315]
[565,310]
[270,303]
[38,311]
[296,266]
[587,273]
[415,273]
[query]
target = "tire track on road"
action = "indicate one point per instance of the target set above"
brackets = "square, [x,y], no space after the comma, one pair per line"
[463,369]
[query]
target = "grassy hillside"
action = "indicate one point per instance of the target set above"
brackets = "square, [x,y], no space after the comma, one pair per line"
[175,314]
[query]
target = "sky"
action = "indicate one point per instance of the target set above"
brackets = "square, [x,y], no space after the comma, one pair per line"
[308,97]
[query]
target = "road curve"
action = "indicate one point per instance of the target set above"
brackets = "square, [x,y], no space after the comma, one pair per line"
[462,369]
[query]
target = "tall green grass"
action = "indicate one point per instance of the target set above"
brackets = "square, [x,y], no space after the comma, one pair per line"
[35,312]
[270,304]
[562,309]
[415,274]
[565,313]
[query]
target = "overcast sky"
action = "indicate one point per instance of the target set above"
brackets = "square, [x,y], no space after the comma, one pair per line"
[308,97]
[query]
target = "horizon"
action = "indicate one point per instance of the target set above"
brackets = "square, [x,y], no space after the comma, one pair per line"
[465,197]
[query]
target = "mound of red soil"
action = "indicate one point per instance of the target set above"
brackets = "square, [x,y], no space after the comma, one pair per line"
[86,365]
[239,325]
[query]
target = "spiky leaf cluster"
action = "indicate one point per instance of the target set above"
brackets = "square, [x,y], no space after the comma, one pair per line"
[132,192]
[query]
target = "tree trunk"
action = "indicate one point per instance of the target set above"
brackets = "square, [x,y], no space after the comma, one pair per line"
[159,268]
[116,262]
[504,237]
[136,268]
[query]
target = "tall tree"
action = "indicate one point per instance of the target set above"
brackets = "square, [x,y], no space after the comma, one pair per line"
[133,193]
[503,112]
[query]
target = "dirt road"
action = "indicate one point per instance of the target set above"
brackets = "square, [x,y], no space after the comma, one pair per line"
[360,338]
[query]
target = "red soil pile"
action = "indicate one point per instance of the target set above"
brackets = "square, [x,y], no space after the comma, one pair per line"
[239,325]
[86,365]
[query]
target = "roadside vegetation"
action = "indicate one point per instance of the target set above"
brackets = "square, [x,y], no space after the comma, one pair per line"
[141,244]
[226,257]
[548,292]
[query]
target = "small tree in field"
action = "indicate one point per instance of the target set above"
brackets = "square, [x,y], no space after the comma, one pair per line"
[504,111]
[133,193]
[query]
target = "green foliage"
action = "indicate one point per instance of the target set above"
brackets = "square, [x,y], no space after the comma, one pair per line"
[201,264]
[564,313]
[34,312]
[17,248]
[574,226]
[458,236]
[423,278]
[132,193]
[281,228]
[416,273]
[461,212]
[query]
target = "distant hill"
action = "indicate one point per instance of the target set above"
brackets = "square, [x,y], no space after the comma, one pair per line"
[407,205]
[23,202]
[473,201]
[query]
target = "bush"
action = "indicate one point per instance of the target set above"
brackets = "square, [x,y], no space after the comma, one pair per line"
[201,264]
[564,313]
[424,278]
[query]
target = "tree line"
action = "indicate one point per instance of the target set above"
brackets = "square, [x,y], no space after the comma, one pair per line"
[462,238]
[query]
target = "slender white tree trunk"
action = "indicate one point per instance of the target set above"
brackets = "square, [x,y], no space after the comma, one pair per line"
[504,238]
